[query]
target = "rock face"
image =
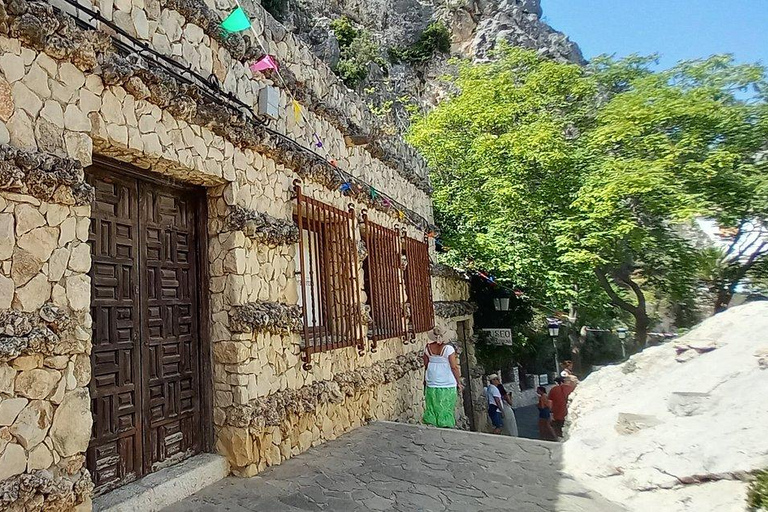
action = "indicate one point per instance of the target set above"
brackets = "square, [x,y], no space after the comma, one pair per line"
[679,426]
[475,26]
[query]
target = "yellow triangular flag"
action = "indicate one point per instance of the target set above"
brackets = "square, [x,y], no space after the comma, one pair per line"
[296,111]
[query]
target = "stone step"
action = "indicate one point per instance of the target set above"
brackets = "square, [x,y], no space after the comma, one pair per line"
[165,487]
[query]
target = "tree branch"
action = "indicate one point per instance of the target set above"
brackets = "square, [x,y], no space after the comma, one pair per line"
[736,238]
[638,293]
[606,285]
[734,282]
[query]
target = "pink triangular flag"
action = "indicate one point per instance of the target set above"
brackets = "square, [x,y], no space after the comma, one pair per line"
[264,63]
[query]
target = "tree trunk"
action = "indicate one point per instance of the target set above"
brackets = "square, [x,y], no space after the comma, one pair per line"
[577,341]
[722,300]
[639,311]
[642,322]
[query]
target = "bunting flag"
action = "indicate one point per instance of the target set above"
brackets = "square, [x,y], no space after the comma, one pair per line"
[345,187]
[400,215]
[264,63]
[237,21]
[374,194]
[319,143]
[386,202]
[296,111]
[334,163]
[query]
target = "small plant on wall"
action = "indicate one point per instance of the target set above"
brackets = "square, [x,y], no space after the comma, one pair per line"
[758,492]
[358,51]
[435,39]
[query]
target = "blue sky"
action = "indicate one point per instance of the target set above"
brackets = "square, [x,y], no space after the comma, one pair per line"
[677,29]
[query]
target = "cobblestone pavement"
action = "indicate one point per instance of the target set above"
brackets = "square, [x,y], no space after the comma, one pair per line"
[394,466]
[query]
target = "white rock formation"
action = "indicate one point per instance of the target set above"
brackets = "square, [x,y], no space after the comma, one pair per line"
[679,426]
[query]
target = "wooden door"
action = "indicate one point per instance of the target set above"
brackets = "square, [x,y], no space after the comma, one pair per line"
[146,347]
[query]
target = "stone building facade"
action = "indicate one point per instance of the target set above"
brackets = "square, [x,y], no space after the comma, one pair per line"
[180,275]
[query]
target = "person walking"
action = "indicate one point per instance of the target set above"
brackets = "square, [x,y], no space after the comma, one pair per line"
[558,396]
[495,407]
[442,381]
[546,432]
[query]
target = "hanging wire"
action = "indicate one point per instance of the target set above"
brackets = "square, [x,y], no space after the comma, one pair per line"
[212,90]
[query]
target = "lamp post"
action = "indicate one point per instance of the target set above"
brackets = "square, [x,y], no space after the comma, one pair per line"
[554,329]
[621,332]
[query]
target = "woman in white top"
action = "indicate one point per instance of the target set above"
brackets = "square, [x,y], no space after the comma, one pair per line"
[442,379]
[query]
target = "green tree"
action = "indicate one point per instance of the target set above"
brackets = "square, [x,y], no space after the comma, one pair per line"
[698,134]
[507,163]
[575,183]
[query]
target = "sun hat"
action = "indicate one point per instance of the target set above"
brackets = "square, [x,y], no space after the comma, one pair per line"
[493,376]
[436,334]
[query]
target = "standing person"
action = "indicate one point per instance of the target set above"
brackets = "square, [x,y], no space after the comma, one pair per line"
[495,407]
[510,422]
[558,396]
[567,367]
[442,379]
[546,432]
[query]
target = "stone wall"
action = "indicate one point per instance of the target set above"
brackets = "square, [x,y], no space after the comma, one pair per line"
[45,336]
[67,97]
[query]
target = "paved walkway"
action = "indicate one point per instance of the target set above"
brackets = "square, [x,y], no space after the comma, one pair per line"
[394,466]
[527,421]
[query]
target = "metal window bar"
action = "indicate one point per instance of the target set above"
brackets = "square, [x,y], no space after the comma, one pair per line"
[329,290]
[419,285]
[385,293]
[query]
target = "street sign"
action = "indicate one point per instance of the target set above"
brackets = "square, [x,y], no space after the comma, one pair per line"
[498,336]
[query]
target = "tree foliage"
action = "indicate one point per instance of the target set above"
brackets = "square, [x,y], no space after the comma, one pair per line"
[695,146]
[579,184]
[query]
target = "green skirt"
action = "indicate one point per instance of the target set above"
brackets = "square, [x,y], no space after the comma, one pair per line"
[440,407]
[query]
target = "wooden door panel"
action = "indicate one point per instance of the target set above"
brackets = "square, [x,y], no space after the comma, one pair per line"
[114,454]
[170,333]
[146,347]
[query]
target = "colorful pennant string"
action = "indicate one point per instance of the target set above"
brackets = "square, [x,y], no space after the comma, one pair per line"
[237,21]
[264,63]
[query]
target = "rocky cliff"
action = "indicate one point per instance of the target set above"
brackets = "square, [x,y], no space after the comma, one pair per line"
[680,426]
[394,87]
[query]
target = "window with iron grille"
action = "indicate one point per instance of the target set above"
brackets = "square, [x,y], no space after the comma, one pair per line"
[382,277]
[328,285]
[418,285]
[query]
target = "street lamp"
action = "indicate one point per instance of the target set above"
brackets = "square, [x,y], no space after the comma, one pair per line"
[621,332]
[501,303]
[554,329]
